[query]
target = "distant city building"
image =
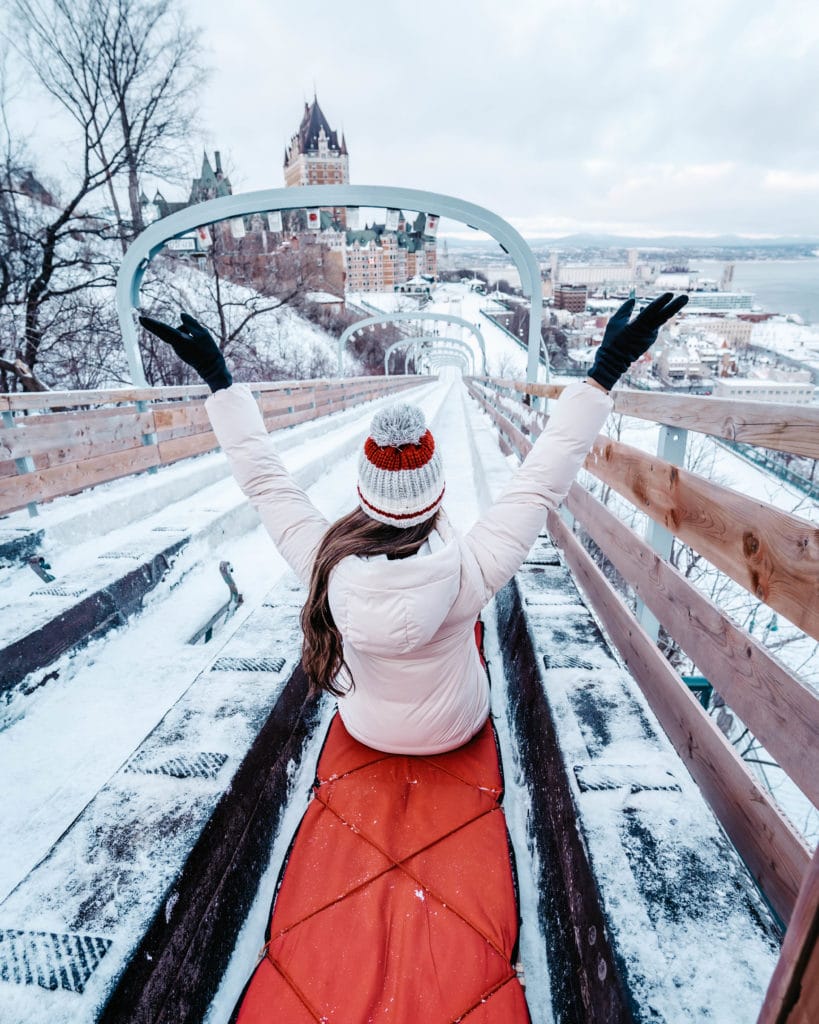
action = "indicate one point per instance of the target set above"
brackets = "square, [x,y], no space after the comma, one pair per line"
[677,363]
[724,301]
[381,260]
[212,183]
[329,302]
[792,391]
[571,297]
[598,275]
[377,258]
[728,328]
[675,281]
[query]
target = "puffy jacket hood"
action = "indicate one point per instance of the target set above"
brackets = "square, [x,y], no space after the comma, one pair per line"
[389,607]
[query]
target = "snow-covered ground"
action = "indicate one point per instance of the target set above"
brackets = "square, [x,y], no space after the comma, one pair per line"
[67,738]
[504,356]
[799,341]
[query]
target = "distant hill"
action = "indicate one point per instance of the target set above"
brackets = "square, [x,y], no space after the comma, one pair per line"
[673,241]
[591,241]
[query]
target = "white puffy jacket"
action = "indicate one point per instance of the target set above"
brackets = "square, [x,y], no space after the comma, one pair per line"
[408,624]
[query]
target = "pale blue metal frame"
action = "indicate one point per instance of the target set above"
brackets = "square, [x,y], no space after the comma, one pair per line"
[435,339]
[151,241]
[407,317]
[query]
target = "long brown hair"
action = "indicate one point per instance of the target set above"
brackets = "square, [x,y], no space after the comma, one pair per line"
[353,534]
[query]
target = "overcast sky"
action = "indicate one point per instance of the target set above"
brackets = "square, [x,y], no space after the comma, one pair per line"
[627,116]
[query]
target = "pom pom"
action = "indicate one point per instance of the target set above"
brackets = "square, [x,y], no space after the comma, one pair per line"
[398,425]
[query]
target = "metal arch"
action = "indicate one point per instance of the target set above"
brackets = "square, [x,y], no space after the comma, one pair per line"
[384,318]
[434,366]
[446,355]
[143,249]
[440,344]
[434,338]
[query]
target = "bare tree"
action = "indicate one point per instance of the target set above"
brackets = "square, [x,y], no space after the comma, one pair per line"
[126,72]
[123,71]
[152,78]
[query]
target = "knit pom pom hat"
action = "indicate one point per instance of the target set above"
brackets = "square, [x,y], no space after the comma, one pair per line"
[400,474]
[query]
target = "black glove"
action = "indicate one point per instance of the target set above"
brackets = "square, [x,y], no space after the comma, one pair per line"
[195,346]
[623,342]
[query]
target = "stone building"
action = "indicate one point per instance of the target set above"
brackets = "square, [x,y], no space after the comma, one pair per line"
[571,297]
[378,260]
[212,183]
[316,157]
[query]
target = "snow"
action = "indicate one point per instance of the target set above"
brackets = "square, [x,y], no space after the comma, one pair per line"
[146,668]
[669,881]
[504,356]
[799,341]
[148,664]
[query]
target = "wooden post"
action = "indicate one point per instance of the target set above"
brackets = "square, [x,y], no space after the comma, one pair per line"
[147,439]
[671,447]
[24,465]
[793,992]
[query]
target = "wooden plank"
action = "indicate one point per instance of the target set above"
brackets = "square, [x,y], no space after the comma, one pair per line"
[74,477]
[514,438]
[285,403]
[99,415]
[775,854]
[73,436]
[178,448]
[181,414]
[52,399]
[771,553]
[779,425]
[793,991]
[523,387]
[779,710]
[68,399]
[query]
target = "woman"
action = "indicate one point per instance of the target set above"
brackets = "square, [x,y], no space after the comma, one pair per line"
[394,589]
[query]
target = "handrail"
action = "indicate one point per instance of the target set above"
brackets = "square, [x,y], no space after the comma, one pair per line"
[92,437]
[777,425]
[773,553]
[30,400]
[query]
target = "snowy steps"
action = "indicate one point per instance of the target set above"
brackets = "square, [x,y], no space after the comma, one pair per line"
[165,858]
[41,621]
[646,909]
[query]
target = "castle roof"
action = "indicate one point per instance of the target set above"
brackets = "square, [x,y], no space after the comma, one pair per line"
[312,122]
[210,184]
[412,241]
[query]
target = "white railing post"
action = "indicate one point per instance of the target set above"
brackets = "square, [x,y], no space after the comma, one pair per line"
[147,439]
[25,464]
[671,448]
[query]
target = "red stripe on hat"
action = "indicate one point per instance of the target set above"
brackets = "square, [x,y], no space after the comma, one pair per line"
[402,515]
[410,456]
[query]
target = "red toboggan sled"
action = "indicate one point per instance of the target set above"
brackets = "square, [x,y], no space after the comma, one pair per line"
[397,902]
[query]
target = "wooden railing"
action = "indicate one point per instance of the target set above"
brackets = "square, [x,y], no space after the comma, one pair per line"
[771,553]
[54,443]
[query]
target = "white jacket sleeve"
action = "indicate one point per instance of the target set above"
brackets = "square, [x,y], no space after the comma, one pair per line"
[291,519]
[501,539]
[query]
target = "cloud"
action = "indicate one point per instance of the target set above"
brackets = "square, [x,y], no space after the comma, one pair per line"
[596,111]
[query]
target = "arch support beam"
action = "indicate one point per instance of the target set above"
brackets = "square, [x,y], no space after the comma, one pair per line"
[388,318]
[430,341]
[151,241]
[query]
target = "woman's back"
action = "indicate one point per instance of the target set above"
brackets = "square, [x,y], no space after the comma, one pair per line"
[408,633]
